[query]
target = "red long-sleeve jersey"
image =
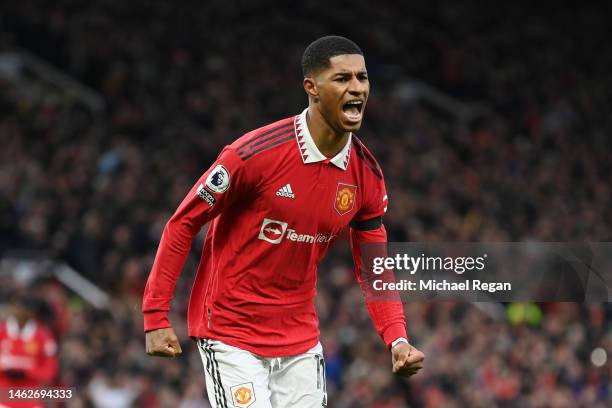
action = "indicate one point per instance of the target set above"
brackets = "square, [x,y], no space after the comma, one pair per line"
[276,205]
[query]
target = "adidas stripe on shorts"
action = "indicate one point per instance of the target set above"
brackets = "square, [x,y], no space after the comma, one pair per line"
[239,378]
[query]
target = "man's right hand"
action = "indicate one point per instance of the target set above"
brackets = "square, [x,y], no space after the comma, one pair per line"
[163,343]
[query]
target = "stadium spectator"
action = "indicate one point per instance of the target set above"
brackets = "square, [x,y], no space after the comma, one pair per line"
[28,351]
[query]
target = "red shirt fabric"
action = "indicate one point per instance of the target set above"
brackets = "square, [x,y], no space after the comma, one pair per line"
[276,205]
[31,351]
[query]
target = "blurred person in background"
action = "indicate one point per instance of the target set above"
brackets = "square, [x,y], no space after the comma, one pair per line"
[28,351]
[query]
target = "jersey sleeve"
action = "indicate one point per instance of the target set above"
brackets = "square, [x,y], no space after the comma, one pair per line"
[216,189]
[386,311]
[374,202]
[47,366]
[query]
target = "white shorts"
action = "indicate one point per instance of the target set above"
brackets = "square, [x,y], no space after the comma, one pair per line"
[239,378]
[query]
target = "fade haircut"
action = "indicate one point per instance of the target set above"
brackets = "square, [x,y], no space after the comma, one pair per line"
[318,53]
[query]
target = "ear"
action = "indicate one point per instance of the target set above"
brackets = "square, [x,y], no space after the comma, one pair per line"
[310,87]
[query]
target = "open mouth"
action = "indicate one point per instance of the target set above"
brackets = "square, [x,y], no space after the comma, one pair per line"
[352,110]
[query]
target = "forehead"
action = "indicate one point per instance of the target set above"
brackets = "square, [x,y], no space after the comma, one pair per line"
[346,62]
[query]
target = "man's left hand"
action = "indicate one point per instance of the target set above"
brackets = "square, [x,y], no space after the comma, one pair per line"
[406,359]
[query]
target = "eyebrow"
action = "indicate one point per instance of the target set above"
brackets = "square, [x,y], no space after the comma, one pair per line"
[347,72]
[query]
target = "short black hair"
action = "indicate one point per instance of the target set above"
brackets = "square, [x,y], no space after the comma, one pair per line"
[29,303]
[318,53]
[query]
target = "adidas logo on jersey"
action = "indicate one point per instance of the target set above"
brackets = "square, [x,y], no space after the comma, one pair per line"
[285,191]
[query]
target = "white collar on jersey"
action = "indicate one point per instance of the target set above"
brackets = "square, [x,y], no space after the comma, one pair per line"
[309,150]
[12,329]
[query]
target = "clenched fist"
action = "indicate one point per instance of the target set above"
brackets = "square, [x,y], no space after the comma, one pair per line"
[406,359]
[163,343]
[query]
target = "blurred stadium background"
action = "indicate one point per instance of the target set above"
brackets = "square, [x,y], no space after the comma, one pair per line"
[491,122]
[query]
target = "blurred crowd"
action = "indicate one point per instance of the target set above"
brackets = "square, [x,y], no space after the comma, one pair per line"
[181,81]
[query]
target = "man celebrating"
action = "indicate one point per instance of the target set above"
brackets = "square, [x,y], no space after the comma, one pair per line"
[277,198]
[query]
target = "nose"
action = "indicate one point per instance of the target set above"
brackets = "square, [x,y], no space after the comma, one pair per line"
[356,87]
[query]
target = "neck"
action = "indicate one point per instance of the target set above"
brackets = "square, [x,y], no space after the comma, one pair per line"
[328,141]
[21,322]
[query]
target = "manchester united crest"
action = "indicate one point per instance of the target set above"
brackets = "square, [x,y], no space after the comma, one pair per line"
[243,395]
[345,198]
[30,347]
